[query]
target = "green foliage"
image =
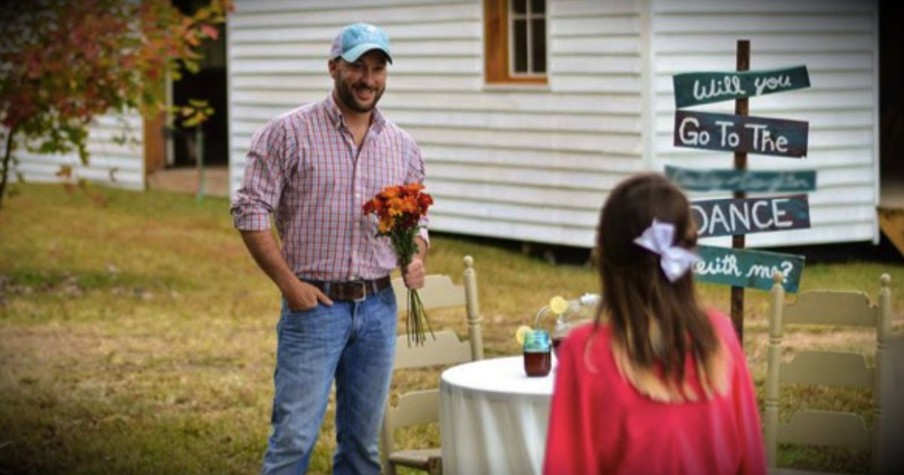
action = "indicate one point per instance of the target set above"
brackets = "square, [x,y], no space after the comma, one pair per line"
[195,113]
[153,353]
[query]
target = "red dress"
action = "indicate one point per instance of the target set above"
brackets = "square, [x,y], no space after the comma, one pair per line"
[599,423]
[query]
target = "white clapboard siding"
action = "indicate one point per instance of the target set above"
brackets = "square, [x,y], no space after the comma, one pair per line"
[517,162]
[535,163]
[115,145]
[837,41]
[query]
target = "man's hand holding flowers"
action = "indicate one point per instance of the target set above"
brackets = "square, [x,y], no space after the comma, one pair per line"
[399,210]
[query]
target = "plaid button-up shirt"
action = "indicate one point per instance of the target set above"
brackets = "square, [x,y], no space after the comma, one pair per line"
[304,168]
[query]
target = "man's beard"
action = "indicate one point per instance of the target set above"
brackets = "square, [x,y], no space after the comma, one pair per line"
[347,96]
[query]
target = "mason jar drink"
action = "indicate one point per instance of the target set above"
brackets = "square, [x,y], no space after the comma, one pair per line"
[537,356]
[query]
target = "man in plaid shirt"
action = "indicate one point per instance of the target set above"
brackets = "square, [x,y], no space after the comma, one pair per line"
[312,169]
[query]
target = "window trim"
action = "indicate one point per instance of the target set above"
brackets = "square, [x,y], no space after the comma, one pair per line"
[498,49]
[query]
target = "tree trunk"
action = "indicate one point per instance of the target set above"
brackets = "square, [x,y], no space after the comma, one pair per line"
[7,155]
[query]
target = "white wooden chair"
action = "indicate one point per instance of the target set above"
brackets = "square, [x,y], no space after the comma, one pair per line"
[422,407]
[830,368]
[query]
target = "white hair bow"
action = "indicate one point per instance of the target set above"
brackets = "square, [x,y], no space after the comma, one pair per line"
[674,260]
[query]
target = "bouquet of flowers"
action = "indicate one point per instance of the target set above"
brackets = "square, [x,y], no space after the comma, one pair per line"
[399,209]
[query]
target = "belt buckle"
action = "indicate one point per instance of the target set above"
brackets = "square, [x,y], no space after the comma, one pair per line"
[363,285]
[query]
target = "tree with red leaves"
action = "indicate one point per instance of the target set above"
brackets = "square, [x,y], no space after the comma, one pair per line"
[65,62]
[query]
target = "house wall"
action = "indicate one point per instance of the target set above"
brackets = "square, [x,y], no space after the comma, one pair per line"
[116,159]
[535,163]
[526,163]
[838,42]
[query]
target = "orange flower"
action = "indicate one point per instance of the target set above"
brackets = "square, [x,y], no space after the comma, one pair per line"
[399,206]
[399,210]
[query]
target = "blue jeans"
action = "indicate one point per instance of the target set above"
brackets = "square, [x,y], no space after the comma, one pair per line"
[352,343]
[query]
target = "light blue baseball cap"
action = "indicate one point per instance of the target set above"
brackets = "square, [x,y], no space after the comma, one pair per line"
[357,39]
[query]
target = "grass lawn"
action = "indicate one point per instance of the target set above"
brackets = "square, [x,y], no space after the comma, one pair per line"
[137,336]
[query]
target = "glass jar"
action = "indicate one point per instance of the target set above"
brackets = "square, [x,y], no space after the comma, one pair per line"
[537,356]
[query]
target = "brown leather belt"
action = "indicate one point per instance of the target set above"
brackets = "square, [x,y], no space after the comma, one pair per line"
[355,290]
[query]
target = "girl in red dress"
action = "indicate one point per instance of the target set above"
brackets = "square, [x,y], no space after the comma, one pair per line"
[657,384]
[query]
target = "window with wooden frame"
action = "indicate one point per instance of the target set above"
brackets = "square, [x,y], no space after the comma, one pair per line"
[515,41]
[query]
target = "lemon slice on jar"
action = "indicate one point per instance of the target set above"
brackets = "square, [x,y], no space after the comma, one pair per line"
[523,333]
[558,305]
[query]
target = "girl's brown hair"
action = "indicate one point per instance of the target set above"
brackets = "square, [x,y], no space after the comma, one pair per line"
[656,324]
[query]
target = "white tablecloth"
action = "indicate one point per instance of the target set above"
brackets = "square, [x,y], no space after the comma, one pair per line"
[493,418]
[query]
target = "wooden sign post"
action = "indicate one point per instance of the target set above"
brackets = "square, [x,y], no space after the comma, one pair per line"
[740,163]
[742,134]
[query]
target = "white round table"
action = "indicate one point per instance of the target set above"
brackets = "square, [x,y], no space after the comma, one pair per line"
[493,417]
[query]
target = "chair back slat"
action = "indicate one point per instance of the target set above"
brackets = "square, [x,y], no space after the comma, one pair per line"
[415,408]
[438,292]
[833,368]
[831,308]
[836,429]
[445,350]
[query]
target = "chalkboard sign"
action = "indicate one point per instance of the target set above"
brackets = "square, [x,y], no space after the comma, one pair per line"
[736,133]
[710,86]
[727,217]
[742,180]
[746,268]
